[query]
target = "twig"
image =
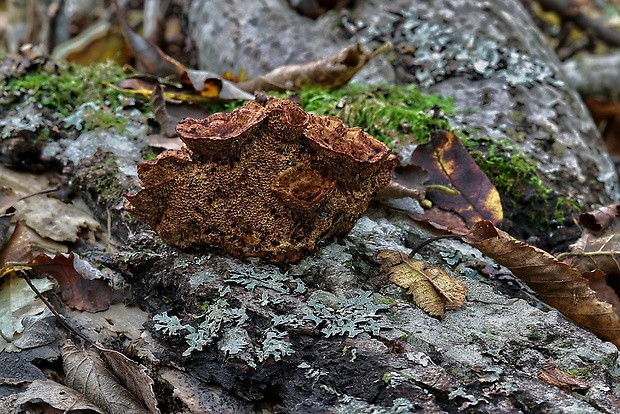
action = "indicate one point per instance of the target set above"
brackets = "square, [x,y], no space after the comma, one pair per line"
[593,75]
[431,240]
[588,254]
[570,12]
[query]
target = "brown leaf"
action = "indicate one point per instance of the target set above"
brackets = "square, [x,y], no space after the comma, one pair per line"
[152,58]
[556,283]
[600,219]
[450,165]
[87,374]
[432,288]
[332,72]
[17,248]
[81,293]
[134,377]
[567,382]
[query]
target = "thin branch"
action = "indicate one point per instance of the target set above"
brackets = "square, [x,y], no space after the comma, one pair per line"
[431,240]
[570,12]
[588,254]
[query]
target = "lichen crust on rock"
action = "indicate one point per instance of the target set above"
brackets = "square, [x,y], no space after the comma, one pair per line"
[263,181]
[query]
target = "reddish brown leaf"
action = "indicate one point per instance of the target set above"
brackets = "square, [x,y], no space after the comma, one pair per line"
[556,283]
[567,382]
[450,165]
[81,293]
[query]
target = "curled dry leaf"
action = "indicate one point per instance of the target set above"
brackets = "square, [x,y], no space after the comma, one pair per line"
[87,374]
[432,288]
[600,219]
[450,165]
[556,283]
[266,181]
[599,244]
[332,72]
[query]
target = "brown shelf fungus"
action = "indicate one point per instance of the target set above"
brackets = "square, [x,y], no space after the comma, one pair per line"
[265,181]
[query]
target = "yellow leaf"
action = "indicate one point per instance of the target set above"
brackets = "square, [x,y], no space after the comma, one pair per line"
[432,288]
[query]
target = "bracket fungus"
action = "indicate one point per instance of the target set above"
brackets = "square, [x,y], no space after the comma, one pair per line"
[264,181]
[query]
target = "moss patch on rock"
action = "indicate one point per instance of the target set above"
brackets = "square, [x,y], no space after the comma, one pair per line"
[62,89]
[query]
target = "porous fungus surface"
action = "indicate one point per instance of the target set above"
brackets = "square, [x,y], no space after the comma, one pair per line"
[265,181]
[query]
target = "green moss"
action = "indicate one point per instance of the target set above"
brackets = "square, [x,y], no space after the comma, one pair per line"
[391,114]
[99,176]
[63,88]
[583,373]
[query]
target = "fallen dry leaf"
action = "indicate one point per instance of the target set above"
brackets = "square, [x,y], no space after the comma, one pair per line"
[87,374]
[150,56]
[556,283]
[600,219]
[450,165]
[196,85]
[132,376]
[332,72]
[77,291]
[567,382]
[52,397]
[432,288]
